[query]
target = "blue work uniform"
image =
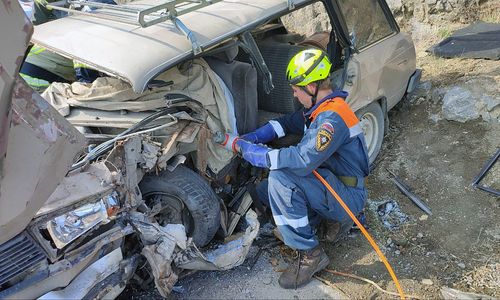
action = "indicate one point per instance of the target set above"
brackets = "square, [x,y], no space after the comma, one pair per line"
[333,144]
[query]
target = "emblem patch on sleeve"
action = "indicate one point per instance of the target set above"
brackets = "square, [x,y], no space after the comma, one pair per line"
[327,126]
[323,139]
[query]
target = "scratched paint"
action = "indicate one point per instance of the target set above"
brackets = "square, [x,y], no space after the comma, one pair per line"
[50,129]
[4,133]
[7,5]
[32,110]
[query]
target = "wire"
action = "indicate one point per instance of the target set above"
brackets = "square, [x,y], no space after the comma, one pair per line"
[102,148]
[370,282]
[331,285]
[367,235]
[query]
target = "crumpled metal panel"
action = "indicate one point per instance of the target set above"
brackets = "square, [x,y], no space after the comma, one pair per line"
[93,182]
[226,256]
[41,148]
[15,34]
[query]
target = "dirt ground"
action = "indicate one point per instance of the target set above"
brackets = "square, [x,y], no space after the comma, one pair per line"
[456,247]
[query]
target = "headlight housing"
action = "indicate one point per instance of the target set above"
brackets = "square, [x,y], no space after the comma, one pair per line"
[67,227]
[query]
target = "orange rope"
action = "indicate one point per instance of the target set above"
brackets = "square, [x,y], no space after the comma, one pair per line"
[367,235]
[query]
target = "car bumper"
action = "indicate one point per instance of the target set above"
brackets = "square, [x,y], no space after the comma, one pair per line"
[414,80]
[97,273]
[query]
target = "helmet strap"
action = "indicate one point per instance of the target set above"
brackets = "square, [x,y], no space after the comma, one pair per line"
[313,96]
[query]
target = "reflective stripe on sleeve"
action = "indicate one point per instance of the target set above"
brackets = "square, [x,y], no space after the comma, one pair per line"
[273,159]
[295,223]
[44,3]
[36,50]
[277,128]
[80,65]
[35,81]
[355,130]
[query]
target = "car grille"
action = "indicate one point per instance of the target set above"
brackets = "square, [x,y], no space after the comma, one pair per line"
[18,255]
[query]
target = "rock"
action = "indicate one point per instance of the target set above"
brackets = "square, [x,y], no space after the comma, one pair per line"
[490,102]
[267,280]
[437,95]
[461,265]
[273,262]
[448,293]
[420,235]
[423,217]
[395,5]
[422,90]
[400,241]
[459,105]
[431,2]
[435,118]
[389,241]
[486,117]
[440,6]
[427,281]
[397,252]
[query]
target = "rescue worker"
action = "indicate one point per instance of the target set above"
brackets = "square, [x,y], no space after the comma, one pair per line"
[332,144]
[42,67]
[42,13]
[85,73]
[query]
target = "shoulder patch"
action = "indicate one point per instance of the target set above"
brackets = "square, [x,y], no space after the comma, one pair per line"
[323,139]
[328,127]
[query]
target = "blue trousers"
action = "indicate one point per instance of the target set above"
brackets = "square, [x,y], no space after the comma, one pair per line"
[299,204]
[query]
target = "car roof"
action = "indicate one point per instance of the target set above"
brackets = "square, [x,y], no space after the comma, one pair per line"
[137,54]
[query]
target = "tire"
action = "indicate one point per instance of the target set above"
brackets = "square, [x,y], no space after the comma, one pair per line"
[183,197]
[371,119]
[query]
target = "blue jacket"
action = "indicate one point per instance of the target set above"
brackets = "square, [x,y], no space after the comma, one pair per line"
[332,139]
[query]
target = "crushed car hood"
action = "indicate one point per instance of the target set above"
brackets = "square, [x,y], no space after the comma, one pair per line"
[37,144]
[137,54]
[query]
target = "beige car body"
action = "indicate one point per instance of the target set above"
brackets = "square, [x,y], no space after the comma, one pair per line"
[37,145]
[381,70]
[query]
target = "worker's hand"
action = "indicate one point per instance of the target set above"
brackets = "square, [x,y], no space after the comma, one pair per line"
[254,154]
[263,134]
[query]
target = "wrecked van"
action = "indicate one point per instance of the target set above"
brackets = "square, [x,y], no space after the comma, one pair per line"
[119,181]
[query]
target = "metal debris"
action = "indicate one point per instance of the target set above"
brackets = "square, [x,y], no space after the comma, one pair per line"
[483,172]
[408,193]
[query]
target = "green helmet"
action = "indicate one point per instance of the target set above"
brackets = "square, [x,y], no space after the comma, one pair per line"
[308,66]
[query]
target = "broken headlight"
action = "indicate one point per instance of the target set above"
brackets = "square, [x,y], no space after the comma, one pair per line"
[69,226]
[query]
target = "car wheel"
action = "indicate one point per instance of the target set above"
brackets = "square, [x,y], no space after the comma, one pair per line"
[183,197]
[371,119]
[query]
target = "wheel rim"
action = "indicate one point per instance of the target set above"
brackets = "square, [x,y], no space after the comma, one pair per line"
[172,210]
[370,128]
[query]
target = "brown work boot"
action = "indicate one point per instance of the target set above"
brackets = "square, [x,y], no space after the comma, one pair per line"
[277,234]
[332,231]
[303,267]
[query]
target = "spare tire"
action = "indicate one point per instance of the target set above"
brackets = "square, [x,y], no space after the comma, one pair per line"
[183,197]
